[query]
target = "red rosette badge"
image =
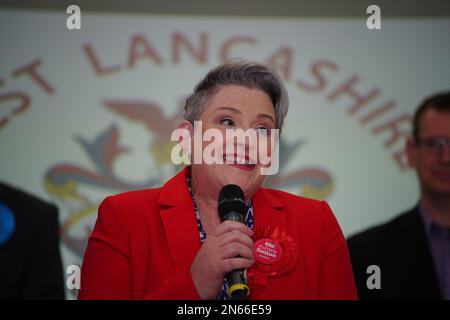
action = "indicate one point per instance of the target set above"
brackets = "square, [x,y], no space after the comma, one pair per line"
[275,253]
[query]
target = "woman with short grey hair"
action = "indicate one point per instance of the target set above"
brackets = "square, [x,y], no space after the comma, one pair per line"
[212,231]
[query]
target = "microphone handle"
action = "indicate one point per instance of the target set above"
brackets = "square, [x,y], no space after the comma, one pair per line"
[238,288]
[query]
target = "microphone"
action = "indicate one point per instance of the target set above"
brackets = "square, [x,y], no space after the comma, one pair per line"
[232,207]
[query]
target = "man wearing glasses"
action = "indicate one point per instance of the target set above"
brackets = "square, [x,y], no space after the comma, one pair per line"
[413,250]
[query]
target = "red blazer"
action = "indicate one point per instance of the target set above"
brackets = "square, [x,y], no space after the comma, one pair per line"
[144,243]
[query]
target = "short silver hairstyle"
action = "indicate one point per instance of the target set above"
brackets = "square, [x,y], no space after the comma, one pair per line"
[245,73]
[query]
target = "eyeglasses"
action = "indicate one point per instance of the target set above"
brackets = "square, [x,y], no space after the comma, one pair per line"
[434,145]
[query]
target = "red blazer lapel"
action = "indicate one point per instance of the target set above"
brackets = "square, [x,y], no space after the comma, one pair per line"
[267,210]
[180,225]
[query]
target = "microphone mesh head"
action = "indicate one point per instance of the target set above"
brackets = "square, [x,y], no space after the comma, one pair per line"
[231,199]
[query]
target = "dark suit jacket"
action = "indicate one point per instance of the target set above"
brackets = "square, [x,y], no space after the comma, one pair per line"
[30,262]
[400,249]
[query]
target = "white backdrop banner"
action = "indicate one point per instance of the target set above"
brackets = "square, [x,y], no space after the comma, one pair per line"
[88,113]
